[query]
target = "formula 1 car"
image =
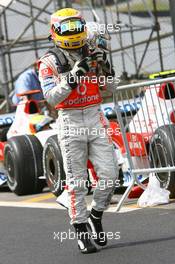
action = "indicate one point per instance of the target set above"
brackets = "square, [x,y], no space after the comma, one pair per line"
[20,150]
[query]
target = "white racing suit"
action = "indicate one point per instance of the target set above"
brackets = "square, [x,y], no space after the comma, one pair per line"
[82,136]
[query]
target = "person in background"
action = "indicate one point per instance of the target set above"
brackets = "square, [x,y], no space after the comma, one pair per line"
[27,81]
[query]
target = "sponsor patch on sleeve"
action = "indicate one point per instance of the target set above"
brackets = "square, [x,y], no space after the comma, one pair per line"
[46,72]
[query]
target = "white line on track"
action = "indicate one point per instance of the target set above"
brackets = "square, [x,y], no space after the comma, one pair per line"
[57,206]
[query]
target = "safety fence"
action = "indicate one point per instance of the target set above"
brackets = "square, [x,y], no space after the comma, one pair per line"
[149,134]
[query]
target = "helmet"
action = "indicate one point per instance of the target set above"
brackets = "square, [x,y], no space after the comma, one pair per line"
[68,30]
[96,37]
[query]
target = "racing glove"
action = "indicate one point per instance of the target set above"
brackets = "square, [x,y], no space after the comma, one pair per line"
[101,58]
[99,55]
[80,69]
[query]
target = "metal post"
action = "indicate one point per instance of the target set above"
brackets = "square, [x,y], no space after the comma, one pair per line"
[68,3]
[60,4]
[8,54]
[93,6]
[121,40]
[33,29]
[4,70]
[157,27]
[172,13]
[145,50]
[106,23]
[132,37]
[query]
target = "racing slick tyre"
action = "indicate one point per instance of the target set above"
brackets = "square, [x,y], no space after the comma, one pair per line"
[162,154]
[53,166]
[3,133]
[23,163]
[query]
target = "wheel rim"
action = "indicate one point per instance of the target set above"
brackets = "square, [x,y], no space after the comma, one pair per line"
[10,168]
[163,177]
[53,167]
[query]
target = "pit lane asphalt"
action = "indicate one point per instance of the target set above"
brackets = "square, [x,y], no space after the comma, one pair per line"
[27,237]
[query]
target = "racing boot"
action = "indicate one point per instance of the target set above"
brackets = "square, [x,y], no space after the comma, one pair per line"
[96,228]
[84,243]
